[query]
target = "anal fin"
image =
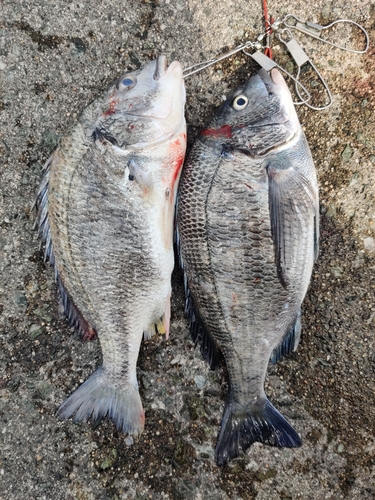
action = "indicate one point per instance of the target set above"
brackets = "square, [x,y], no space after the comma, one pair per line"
[289,343]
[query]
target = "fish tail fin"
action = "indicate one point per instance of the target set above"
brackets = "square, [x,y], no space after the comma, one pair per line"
[97,398]
[244,425]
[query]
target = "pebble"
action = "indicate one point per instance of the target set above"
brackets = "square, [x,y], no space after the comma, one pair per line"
[35,331]
[252,465]
[326,11]
[109,460]
[178,360]
[331,212]
[337,271]
[366,141]
[129,441]
[200,381]
[347,153]
[20,298]
[369,244]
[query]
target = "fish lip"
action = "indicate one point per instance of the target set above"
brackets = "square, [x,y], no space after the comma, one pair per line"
[160,67]
[275,84]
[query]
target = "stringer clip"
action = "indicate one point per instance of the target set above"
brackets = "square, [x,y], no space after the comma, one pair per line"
[266,63]
[301,58]
[316,31]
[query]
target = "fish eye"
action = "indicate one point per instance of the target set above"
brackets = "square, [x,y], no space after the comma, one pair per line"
[127,83]
[240,102]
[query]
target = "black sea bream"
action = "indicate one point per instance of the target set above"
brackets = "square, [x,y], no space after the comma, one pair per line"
[106,214]
[248,229]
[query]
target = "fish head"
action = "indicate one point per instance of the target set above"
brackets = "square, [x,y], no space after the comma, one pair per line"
[256,118]
[142,108]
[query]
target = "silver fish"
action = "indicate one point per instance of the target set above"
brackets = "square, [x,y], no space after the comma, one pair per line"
[248,236]
[106,214]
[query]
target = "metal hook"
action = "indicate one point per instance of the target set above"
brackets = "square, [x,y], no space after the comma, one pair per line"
[315,30]
[301,58]
[266,63]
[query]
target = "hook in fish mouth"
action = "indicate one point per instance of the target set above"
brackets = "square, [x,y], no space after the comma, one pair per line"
[161,67]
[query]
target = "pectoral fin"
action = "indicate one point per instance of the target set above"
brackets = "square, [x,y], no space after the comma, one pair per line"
[293,205]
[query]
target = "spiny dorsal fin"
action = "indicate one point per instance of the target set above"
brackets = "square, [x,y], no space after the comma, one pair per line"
[71,312]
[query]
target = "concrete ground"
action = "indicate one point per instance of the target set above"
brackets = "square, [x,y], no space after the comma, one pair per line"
[56,57]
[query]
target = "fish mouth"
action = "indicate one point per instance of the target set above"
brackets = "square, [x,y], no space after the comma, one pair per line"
[276,85]
[162,69]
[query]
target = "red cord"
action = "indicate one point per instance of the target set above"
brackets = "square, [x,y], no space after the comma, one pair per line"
[268,22]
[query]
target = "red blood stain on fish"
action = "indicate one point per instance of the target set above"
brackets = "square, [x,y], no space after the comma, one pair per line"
[111,110]
[225,131]
[176,156]
[89,334]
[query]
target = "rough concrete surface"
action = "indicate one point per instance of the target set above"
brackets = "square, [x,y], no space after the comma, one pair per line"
[55,57]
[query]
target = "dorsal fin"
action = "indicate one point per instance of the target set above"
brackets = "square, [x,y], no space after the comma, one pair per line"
[199,333]
[71,312]
[198,330]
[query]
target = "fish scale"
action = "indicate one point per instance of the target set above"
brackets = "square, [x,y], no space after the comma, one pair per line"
[248,236]
[105,212]
[237,281]
[192,221]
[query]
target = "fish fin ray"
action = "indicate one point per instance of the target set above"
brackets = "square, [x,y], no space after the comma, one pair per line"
[292,201]
[97,398]
[200,334]
[289,343]
[261,422]
[316,233]
[162,325]
[147,334]
[71,312]
[167,317]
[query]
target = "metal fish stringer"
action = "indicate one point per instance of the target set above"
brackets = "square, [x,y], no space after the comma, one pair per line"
[291,22]
[316,31]
[267,63]
[284,28]
[302,59]
[263,60]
